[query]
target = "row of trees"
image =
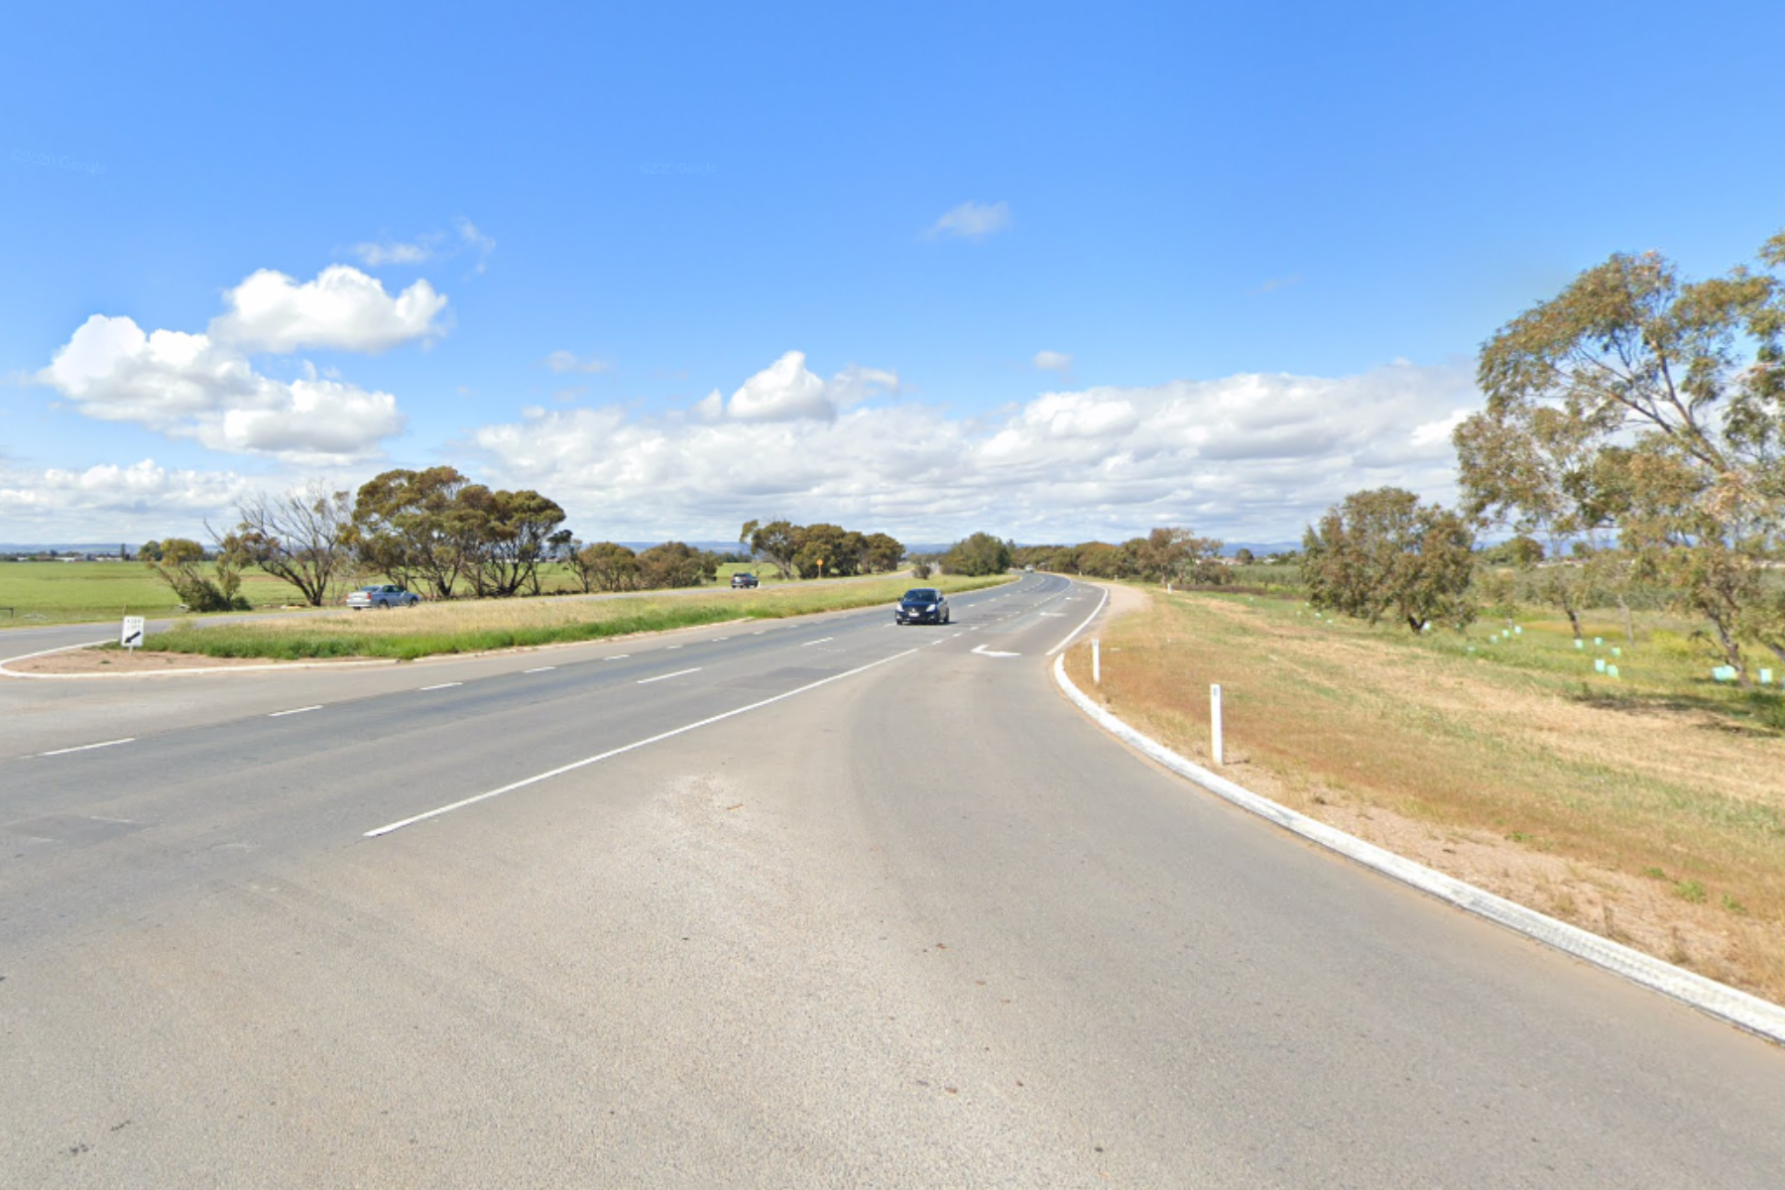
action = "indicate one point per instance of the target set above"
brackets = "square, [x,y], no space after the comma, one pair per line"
[1165,555]
[431,530]
[821,550]
[435,531]
[610,566]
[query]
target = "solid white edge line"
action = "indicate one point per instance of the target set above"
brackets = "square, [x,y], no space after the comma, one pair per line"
[294,711]
[1760,1017]
[1073,635]
[662,677]
[89,747]
[589,760]
[439,686]
[47,652]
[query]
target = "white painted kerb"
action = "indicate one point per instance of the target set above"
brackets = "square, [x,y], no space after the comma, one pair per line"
[1719,1000]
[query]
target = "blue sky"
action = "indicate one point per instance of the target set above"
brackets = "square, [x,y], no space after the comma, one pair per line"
[1053,271]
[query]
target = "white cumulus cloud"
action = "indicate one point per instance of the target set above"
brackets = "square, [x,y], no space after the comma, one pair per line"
[342,308]
[787,390]
[206,388]
[108,502]
[189,386]
[1254,456]
[972,221]
[1052,361]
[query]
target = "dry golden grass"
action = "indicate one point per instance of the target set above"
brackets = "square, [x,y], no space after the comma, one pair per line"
[1658,821]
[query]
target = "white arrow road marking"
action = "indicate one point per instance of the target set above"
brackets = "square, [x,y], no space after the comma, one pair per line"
[985,652]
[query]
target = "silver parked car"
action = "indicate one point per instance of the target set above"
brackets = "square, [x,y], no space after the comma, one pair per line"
[382,595]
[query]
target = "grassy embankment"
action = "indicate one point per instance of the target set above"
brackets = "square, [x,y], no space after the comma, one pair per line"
[480,626]
[1649,808]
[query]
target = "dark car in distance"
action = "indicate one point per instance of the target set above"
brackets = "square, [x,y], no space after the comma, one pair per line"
[923,605]
[743,579]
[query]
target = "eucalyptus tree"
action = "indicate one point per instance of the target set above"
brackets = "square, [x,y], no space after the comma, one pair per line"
[303,536]
[1382,551]
[1639,403]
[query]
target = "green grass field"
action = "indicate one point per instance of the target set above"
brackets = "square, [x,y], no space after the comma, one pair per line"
[483,625]
[73,592]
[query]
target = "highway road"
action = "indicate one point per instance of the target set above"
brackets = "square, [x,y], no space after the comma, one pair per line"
[823,902]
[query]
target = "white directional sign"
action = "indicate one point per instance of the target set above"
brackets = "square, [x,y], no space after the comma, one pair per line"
[131,635]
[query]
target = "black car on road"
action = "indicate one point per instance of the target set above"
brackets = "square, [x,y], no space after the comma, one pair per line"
[743,579]
[923,605]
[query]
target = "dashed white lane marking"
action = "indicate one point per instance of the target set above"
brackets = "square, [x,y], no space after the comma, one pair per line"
[89,747]
[672,646]
[1052,613]
[662,677]
[617,657]
[539,669]
[588,760]
[819,641]
[443,686]
[294,711]
[759,633]
[717,639]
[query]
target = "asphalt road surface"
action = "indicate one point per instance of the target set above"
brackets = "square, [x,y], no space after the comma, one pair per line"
[822,902]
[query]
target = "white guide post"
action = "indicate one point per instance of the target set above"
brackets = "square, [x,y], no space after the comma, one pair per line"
[1215,721]
[1096,661]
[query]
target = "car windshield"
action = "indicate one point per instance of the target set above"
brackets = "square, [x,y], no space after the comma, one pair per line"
[922,595]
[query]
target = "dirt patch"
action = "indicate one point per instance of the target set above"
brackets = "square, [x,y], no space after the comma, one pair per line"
[138,661]
[1124,601]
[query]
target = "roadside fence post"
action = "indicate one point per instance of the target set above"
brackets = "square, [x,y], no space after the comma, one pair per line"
[1096,661]
[1215,721]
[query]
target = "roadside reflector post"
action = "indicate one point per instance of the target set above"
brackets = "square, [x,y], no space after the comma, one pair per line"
[1215,721]
[1096,661]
